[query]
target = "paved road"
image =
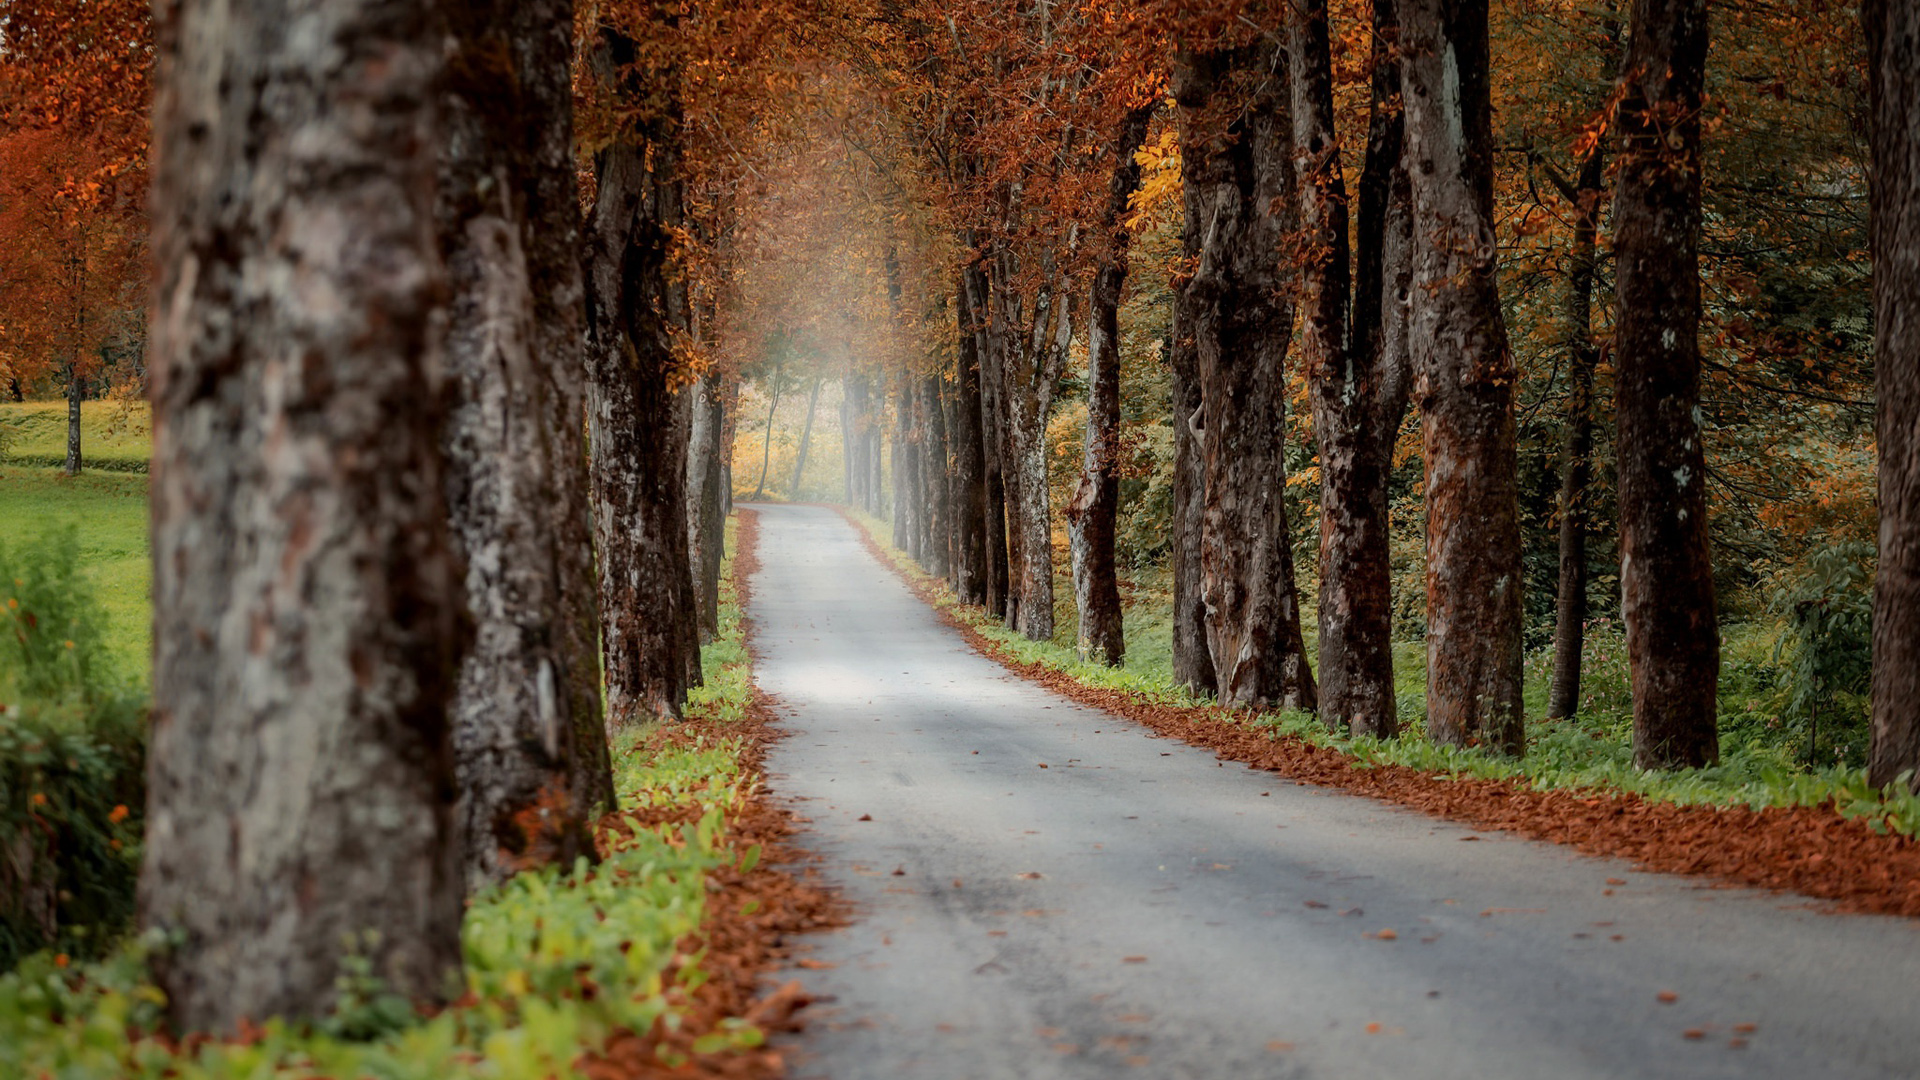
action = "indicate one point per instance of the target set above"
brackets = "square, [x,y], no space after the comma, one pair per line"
[1135,907]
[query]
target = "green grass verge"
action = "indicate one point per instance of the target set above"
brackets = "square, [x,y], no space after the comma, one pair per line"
[1591,752]
[530,945]
[114,436]
[109,514]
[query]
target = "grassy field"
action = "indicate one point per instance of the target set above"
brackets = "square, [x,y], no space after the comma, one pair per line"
[113,437]
[108,512]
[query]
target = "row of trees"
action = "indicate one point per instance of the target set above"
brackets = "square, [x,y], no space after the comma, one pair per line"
[1389,296]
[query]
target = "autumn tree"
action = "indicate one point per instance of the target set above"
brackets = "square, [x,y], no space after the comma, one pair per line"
[530,740]
[1666,567]
[1238,170]
[636,307]
[1893,57]
[1464,381]
[307,603]
[1354,348]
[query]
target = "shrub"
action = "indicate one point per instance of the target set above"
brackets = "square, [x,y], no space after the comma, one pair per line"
[72,762]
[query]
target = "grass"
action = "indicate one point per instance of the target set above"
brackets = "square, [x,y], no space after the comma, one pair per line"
[531,945]
[109,513]
[1590,752]
[114,436]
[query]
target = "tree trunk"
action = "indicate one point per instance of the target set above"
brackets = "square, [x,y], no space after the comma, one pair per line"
[1192,665]
[636,304]
[1576,452]
[999,579]
[1458,341]
[307,601]
[706,525]
[1359,378]
[969,456]
[766,442]
[848,446]
[906,470]
[1093,513]
[1238,171]
[1031,359]
[1666,567]
[1893,56]
[806,438]
[933,474]
[76,392]
[529,739]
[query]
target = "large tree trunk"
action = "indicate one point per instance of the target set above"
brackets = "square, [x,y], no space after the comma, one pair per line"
[1032,356]
[806,439]
[706,524]
[1666,567]
[636,304]
[1458,340]
[851,469]
[969,456]
[1237,166]
[1576,450]
[307,601]
[529,739]
[1192,665]
[1359,369]
[1893,56]
[933,475]
[999,579]
[1093,513]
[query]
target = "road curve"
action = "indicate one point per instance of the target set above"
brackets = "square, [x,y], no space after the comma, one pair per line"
[1045,890]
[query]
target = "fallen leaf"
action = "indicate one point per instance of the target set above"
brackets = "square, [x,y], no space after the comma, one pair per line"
[864,817]
[1616,881]
[817,965]
[1466,838]
[1031,875]
[1513,911]
[1693,1033]
[1279,1046]
[1043,764]
[1373,1028]
[1746,1029]
[900,871]
[1138,1059]
[1315,904]
[1667,997]
[1133,959]
[1134,1018]
[1387,935]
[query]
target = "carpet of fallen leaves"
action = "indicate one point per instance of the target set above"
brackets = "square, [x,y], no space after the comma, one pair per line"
[751,918]
[1813,851]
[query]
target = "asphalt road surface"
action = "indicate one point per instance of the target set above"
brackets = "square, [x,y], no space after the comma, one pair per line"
[1044,890]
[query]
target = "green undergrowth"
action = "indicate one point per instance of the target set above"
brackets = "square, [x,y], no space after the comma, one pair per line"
[1590,753]
[534,947]
[108,515]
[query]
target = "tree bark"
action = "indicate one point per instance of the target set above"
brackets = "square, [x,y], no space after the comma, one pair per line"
[906,469]
[76,393]
[1237,166]
[650,633]
[1458,341]
[1893,57]
[307,602]
[1093,512]
[706,525]
[1576,451]
[969,456]
[999,578]
[1359,372]
[1666,566]
[529,739]
[1032,356]
[933,474]
[1192,665]
[806,438]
